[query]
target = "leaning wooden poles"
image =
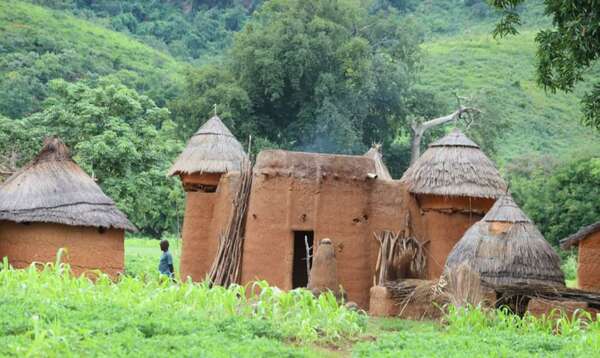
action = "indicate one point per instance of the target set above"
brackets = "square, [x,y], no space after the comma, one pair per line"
[226,268]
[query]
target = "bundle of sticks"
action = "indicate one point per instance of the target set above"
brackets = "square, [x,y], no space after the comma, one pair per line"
[226,267]
[399,257]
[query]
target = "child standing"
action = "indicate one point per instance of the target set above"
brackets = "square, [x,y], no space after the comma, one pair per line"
[165,265]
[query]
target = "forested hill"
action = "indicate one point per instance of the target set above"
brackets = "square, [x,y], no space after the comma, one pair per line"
[125,83]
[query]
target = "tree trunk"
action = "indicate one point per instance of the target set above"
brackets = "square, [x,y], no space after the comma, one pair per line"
[418,129]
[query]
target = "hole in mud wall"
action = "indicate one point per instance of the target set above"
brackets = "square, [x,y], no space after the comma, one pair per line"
[299,267]
[202,188]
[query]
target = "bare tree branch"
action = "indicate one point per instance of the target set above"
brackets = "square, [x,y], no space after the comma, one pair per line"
[418,129]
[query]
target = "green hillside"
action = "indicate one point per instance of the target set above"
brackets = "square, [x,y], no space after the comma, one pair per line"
[38,44]
[479,65]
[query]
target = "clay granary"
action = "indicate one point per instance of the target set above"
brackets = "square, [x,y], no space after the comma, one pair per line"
[297,199]
[50,204]
[587,240]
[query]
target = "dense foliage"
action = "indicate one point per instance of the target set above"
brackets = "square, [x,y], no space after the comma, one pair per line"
[567,51]
[188,30]
[317,75]
[559,197]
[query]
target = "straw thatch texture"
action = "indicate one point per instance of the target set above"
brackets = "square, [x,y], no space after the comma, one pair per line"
[54,189]
[380,167]
[212,149]
[515,254]
[455,166]
[579,235]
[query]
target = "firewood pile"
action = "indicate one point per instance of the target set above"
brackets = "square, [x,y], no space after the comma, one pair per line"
[226,268]
[549,293]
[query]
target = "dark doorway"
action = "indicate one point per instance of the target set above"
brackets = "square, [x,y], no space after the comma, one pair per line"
[299,269]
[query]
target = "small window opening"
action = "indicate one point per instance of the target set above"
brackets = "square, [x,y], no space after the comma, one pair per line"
[201,187]
[303,253]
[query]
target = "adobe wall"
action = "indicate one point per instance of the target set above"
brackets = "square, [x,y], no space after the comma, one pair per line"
[588,268]
[330,195]
[444,220]
[86,248]
[206,216]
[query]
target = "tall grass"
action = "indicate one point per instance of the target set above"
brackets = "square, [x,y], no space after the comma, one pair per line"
[49,312]
[475,332]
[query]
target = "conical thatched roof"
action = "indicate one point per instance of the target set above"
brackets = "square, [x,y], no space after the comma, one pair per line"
[54,189]
[212,149]
[454,166]
[381,169]
[506,248]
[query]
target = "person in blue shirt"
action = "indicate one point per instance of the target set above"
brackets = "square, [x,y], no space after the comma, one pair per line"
[165,265]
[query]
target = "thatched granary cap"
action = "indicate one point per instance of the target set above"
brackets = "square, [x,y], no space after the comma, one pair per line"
[506,248]
[506,210]
[212,149]
[579,235]
[380,168]
[455,166]
[52,188]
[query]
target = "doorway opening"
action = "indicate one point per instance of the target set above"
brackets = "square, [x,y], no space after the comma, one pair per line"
[303,253]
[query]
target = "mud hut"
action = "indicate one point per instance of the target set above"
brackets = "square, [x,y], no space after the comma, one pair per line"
[51,203]
[210,154]
[380,168]
[299,198]
[506,248]
[454,184]
[587,239]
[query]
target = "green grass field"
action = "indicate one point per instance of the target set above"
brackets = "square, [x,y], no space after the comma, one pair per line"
[49,313]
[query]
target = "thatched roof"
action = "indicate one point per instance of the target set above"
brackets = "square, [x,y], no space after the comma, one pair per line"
[515,253]
[52,188]
[455,166]
[212,149]
[580,235]
[381,169]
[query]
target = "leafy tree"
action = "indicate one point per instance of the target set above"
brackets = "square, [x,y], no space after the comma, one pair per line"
[204,88]
[559,197]
[325,75]
[567,51]
[125,141]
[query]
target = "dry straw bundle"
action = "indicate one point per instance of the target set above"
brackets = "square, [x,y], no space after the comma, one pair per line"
[54,189]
